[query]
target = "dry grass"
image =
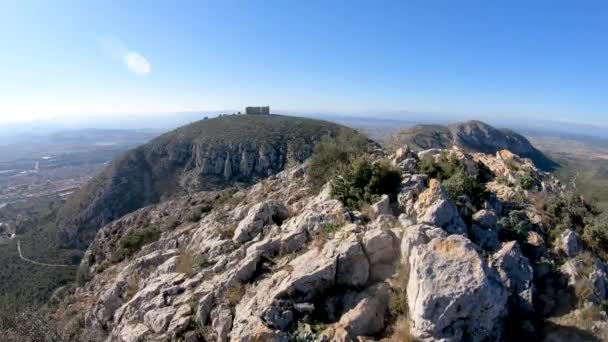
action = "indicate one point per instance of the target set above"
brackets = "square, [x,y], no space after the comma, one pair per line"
[398,297]
[185,263]
[325,234]
[401,332]
[132,286]
[366,210]
[234,294]
[227,231]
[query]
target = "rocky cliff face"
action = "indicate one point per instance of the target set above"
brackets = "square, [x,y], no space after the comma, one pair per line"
[206,155]
[274,262]
[473,136]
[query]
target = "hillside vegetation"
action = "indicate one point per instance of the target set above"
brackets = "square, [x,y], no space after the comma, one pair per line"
[206,155]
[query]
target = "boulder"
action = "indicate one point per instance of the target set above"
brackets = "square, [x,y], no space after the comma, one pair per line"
[486,218]
[366,318]
[134,333]
[452,293]
[379,246]
[381,249]
[221,321]
[402,154]
[535,245]
[416,235]
[158,320]
[516,274]
[570,243]
[408,166]
[487,239]
[382,207]
[484,230]
[303,279]
[411,187]
[258,216]
[353,266]
[435,207]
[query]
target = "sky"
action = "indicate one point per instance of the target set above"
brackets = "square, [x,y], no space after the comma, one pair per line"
[542,60]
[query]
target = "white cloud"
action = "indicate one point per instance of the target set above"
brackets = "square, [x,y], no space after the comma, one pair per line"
[137,63]
[116,49]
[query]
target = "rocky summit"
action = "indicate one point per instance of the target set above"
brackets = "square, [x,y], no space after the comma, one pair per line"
[277,261]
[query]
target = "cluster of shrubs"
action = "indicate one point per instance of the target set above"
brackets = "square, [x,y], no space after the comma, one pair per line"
[356,180]
[571,211]
[363,182]
[333,155]
[134,240]
[515,226]
[459,185]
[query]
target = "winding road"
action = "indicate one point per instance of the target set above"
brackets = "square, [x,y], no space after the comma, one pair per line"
[36,262]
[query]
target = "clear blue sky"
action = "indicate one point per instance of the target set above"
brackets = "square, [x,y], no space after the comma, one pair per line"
[529,59]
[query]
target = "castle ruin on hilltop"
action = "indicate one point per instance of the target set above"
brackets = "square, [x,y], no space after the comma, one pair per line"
[257,110]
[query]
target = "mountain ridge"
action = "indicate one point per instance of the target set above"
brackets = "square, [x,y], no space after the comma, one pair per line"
[473,136]
[205,155]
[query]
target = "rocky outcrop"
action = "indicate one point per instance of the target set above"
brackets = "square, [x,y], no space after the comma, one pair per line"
[435,207]
[452,294]
[484,230]
[516,274]
[472,136]
[273,262]
[570,243]
[259,216]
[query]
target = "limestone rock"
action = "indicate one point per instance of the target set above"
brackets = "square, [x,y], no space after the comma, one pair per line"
[416,235]
[221,321]
[570,243]
[353,266]
[484,230]
[258,216]
[516,274]
[366,318]
[434,207]
[452,294]
[134,333]
[382,207]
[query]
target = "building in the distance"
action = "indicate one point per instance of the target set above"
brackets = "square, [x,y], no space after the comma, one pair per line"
[257,110]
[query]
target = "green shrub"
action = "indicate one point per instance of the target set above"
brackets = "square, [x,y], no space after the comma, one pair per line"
[570,211]
[201,262]
[502,180]
[334,154]
[462,185]
[134,240]
[595,234]
[363,182]
[516,226]
[512,165]
[443,167]
[526,181]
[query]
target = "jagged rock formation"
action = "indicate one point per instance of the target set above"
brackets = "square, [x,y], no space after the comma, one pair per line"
[473,136]
[205,155]
[274,262]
